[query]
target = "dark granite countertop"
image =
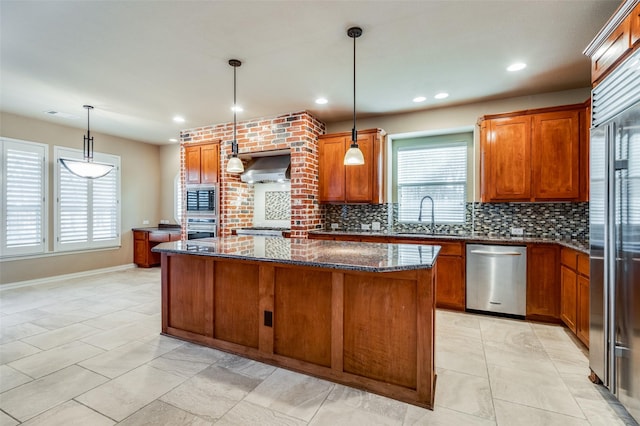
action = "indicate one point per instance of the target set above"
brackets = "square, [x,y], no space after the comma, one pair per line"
[159,230]
[579,245]
[349,255]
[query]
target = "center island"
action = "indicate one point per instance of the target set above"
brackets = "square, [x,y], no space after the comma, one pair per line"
[359,314]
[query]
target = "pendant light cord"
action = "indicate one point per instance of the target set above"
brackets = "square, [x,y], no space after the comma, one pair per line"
[354,133]
[234,144]
[88,140]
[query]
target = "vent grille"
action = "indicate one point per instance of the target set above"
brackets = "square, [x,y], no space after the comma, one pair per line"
[617,92]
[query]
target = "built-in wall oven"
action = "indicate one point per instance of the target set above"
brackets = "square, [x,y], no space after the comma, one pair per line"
[201,227]
[202,200]
[202,211]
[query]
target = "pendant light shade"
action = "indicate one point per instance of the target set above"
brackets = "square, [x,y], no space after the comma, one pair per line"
[354,156]
[234,165]
[86,168]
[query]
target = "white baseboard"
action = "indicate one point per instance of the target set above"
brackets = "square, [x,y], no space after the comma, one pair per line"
[46,280]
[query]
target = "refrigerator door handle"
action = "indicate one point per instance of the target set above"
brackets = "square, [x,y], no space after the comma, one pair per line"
[610,258]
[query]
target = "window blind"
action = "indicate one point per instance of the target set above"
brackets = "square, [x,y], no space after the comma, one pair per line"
[24,197]
[88,210]
[438,171]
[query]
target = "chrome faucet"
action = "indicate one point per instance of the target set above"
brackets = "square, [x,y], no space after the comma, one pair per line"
[432,212]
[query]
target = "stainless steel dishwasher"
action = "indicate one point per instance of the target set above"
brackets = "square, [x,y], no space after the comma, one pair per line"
[497,279]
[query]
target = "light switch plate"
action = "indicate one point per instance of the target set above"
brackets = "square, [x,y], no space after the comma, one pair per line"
[145,222]
[375,226]
[335,226]
[365,226]
[517,231]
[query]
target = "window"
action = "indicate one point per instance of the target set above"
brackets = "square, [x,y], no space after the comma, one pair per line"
[177,196]
[24,197]
[434,167]
[87,210]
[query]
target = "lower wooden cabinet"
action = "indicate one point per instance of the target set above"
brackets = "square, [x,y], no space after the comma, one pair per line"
[543,282]
[568,293]
[575,292]
[146,239]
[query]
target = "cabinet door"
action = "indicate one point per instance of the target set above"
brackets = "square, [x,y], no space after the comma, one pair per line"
[616,45]
[209,163]
[140,250]
[568,297]
[192,164]
[543,286]
[450,285]
[359,179]
[508,159]
[635,24]
[189,296]
[582,322]
[555,148]
[331,171]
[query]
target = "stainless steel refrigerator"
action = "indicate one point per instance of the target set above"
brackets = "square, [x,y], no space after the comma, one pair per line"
[614,215]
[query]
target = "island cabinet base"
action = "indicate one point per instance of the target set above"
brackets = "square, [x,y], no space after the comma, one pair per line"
[373,331]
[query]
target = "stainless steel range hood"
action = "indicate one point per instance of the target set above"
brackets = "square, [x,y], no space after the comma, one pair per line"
[268,169]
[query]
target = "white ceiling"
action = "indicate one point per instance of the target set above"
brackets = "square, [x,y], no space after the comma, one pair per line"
[140,63]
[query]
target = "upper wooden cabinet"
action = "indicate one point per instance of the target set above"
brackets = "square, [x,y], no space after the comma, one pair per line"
[351,184]
[615,41]
[535,155]
[202,162]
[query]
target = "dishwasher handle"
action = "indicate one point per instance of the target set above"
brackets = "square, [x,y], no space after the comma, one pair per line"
[493,253]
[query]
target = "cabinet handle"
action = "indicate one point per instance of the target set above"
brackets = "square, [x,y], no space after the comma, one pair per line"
[504,253]
[636,259]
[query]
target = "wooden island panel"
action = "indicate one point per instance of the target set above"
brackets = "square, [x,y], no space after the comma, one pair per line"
[379,338]
[369,330]
[236,299]
[302,323]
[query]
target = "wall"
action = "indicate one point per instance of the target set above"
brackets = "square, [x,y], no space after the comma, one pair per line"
[297,132]
[140,195]
[170,168]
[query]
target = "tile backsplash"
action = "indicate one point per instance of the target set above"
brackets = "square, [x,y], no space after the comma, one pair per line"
[552,220]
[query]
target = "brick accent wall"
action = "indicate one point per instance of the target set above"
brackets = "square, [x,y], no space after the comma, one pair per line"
[297,132]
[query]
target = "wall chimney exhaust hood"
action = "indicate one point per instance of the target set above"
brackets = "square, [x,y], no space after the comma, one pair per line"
[268,169]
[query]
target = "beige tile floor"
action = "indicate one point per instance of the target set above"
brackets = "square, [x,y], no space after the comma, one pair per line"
[88,352]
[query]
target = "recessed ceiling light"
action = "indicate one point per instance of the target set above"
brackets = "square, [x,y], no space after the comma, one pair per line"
[441,95]
[237,108]
[517,66]
[322,101]
[61,114]
[419,99]
[173,140]
[178,119]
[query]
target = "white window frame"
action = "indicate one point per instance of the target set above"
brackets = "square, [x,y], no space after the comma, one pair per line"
[178,197]
[40,149]
[392,189]
[64,152]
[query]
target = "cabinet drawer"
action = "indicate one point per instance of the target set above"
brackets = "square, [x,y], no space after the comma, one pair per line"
[139,235]
[583,264]
[159,237]
[447,247]
[569,258]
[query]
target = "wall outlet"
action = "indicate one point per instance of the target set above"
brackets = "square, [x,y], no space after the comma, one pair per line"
[375,226]
[164,221]
[365,226]
[145,222]
[517,231]
[335,226]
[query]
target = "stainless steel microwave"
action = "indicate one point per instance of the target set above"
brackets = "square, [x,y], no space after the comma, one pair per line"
[202,199]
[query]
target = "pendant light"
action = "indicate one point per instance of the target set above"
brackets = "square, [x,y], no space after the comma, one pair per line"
[354,156]
[235,164]
[87,168]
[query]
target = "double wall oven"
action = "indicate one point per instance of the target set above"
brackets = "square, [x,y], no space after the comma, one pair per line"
[202,211]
